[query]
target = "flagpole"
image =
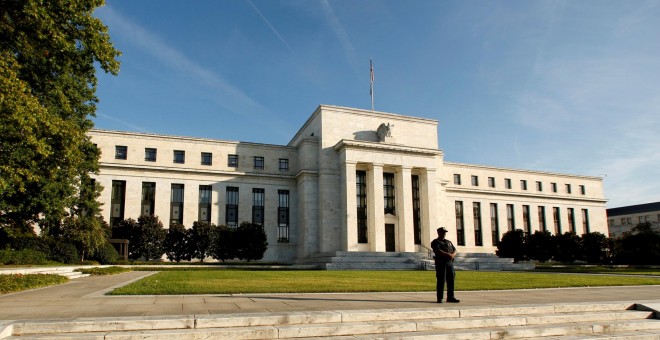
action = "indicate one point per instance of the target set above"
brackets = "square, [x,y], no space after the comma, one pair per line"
[371,81]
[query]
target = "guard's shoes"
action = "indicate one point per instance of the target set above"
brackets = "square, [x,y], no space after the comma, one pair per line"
[453,300]
[439,301]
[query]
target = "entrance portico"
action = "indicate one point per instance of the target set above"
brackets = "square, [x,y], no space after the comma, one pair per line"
[400,195]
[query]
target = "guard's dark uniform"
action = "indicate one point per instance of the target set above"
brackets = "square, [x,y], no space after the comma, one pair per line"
[444,268]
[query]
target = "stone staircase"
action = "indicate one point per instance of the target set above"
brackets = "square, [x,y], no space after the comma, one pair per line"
[556,321]
[345,260]
[63,271]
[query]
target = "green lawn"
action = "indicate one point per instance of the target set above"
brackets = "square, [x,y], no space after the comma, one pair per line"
[307,281]
[18,282]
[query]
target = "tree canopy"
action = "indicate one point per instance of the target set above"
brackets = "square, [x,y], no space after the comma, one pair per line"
[49,51]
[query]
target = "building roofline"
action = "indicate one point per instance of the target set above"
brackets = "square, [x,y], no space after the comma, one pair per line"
[487,167]
[634,209]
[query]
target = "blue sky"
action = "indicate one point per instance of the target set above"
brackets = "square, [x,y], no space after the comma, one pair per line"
[559,86]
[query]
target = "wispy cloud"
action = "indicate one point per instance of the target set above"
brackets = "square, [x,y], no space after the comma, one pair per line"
[342,36]
[220,91]
[272,28]
[122,122]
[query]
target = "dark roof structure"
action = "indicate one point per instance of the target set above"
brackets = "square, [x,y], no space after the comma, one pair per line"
[634,209]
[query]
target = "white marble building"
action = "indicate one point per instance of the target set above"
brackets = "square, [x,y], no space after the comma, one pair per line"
[349,180]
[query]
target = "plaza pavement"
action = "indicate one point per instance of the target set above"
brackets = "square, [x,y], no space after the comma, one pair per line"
[85,297]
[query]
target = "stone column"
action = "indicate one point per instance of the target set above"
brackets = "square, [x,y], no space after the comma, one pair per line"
[404,207]
[349,204]
[429,205]
[375,208]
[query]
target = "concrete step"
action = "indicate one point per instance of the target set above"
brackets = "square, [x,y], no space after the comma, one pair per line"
[528,321]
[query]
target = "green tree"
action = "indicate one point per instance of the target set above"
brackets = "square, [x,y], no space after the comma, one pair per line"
[223,245]
[200,239]
[48,54]
[640,246]
[251,242]
[177,243]
[512,245]
[88,233]
[540,246]
[568,247]
[593,247]
[150,239]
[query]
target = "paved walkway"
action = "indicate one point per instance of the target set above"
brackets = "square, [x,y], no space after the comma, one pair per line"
[84,297]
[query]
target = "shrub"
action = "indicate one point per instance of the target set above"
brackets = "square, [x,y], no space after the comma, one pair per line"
[106,254]
[200,239]
[640,246]
[251,243]
[31,242]
[152,237]
[177,243]
[540,246]
[223,246]
[512,245]
[22,257]
[593,247]
[568,247]
[64,252]
[88,233]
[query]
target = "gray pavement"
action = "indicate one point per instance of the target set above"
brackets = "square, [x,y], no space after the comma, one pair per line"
[84,297]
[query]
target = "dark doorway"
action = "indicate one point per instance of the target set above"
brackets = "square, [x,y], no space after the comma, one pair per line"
[390,244]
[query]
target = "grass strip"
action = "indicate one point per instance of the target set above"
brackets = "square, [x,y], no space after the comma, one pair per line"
[17,282]
[103,271]
[307,281]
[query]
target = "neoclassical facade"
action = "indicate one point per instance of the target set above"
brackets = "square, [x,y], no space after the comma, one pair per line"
[349,180]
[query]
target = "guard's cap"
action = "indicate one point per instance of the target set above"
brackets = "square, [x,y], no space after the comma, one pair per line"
[442,229]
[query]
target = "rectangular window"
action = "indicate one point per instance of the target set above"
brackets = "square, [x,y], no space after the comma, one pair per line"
[476,212]
[583,190]
[417,211]
[361,197]
[507,183]
[527,225]
[204,209]
[258,162]
[523,184]
[117,201]
[388,193]
[629,220]
[568,188]
[586,228]
[491,182]
[148,198]
[150,154]
[510,219]
[494,224]
[539,186]
[207,158]
[554,187]
[283,216]
[179,156]
[623,220]
[457,179]
[557,220]
[121,152]
[231,207]
[176,204]
[258,198]
[571,220]
[232,161]
[284,164]
[542,225]
[460,231]
[475,181]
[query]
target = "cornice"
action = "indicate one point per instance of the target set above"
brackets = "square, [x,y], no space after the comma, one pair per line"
[525,195]
[353,144]
[192,171]
[521,171]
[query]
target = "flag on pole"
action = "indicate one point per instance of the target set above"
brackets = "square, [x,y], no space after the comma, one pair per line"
[371,82]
